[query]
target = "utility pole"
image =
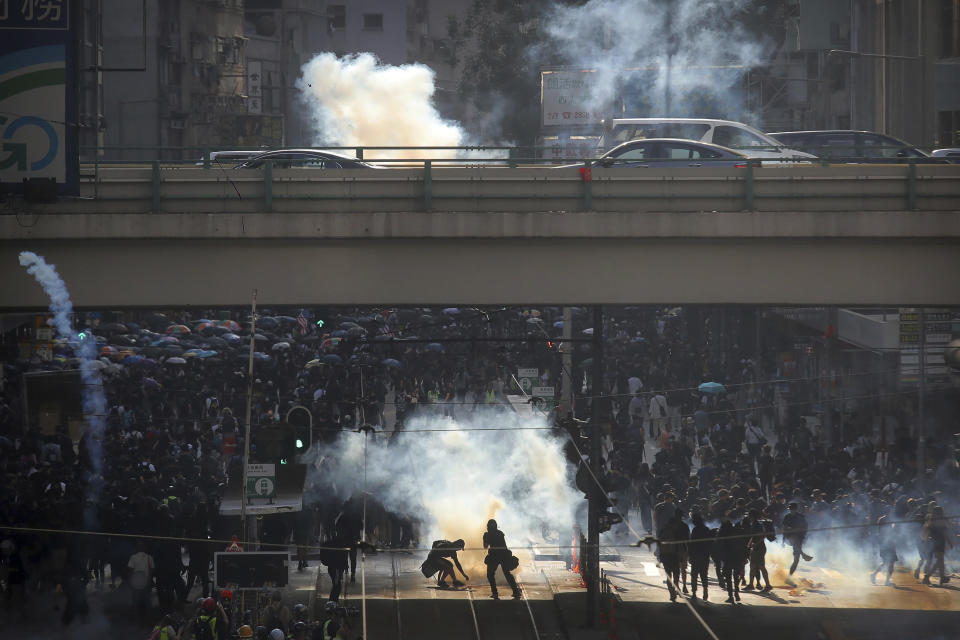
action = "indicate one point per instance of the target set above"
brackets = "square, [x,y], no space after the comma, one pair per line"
[566,393]
[592,555]
[246,437]
[922,392]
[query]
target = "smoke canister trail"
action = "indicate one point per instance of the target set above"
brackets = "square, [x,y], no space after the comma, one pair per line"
[452,475]
[84,346]
[357,101]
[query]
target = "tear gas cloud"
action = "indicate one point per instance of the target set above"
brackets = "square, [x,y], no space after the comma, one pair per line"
[85,348]
[611,37]
[451,476]
[357,101]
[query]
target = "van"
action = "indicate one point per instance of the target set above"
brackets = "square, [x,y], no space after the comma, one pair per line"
[726,133]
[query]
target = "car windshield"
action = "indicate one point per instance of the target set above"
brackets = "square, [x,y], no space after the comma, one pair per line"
[877,146]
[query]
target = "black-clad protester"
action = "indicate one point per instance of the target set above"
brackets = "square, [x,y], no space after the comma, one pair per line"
[701,541]
[499,556]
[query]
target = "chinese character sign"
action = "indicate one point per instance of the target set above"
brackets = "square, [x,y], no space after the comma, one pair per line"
[566,98]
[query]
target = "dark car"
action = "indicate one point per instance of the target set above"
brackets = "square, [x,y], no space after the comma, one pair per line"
[670,152]
[848,146]
[305,158]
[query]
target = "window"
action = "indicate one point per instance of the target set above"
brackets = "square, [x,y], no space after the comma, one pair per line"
[336,16]
[735,137]
[636,152]
[373,22]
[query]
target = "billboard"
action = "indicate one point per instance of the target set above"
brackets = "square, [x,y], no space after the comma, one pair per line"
[38,94]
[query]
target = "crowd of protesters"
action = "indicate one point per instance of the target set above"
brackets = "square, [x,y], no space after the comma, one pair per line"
[176,389]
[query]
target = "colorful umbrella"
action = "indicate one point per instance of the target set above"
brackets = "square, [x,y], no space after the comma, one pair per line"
[711,387]
[230,325]
[178,329]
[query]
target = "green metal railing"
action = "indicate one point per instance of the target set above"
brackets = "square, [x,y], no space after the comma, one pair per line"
[432,169]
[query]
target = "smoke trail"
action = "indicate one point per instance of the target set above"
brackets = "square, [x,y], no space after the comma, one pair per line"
[356,101]
[681,46]
[452,481]
[84,346]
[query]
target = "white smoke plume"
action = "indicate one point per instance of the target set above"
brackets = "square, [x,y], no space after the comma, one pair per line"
[84,346]
[453,475]
[357,101]
[616,37]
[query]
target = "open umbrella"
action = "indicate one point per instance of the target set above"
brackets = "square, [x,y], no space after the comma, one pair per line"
[175,360]
[232,339]
[587,332]
[711,387]
[452,311]
[113,327]
[204,327]
[177,329]
[390,362]
[331,358]
[339,333]
[281,346]
[436,347]
[330,342]
[558,324]
[268,322]
[108,351]
[316,362]
[534,320]
[230,325]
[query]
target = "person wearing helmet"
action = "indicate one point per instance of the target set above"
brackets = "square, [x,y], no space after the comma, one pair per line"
[300,612]
[335,621]
[209,623]
[244,631]
[299,631]
[278,634]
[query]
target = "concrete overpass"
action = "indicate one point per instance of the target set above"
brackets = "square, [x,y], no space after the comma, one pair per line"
[174,236]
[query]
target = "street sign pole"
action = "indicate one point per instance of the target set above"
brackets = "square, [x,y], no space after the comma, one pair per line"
[246,437]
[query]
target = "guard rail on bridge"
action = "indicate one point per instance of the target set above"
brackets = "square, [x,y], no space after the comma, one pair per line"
[161,188]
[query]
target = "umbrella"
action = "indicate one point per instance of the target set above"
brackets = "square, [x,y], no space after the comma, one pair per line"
[134,360]
[114,327]
[280,346]
[259,356]
[452,311]
[259,337]
[331,358]
[349,325]
[204,327]
[383,337]
[287,320]
[121,340]
[158,321]
[203,355]
[558,324]
[230,325]
[390,362]
[175,360]
[533,320]
[179,329]
[313,363]
[330,342]
[711,387]
[587,332]
[151,383]
[356,332]
[435,346]
[339,333]
[214,341]
[268,322]
[232,339]
[586,364]
[108,351]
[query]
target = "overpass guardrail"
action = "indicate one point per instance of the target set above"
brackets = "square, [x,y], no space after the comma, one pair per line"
[498,184]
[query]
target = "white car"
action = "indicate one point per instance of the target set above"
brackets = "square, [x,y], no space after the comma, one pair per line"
[950,155]
[726,133]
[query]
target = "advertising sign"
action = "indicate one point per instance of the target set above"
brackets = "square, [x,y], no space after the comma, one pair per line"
[38,87]
[565,99]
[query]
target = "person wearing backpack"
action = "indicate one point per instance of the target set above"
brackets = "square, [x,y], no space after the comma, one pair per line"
[164,629]
[209,623]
